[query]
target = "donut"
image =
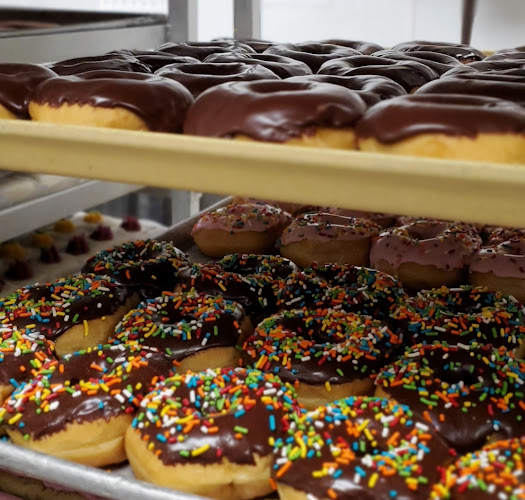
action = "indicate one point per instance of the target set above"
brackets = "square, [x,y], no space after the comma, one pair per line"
[22,352]
[146,265]
[409,74]
[75,312]
[78,409]
[495,471]
[348,288]
[244,228]
[449,126]
[506,68]
[371,88]
[463,53]
[283,67]
[211,433]
[440,63]
[365,48]
[312,54]
[426,253]
[381,219]
[201,50]
[256,44]
[357,448]
[464,315]
[483,84]
[265,267]
[118,62]
[154,59]
[199,77]
[307,114]
[328,239]
[500,267]
[194,330]
[493,235]
[469,394]
[291,208]
[254,292]
[17,82]
[114,99]
[325,354]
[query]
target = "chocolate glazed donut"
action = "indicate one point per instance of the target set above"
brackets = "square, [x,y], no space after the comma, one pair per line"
[510,67]
[17,82]
[313,54]
[463,53]
[365,48]
[154,59]
[409,74]
[201,50]
[440,63]
[199,77]
[118,62]
[283,67]
[371,88]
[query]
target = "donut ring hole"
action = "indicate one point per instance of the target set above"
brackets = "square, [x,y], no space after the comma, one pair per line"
[425,230]
[219,69]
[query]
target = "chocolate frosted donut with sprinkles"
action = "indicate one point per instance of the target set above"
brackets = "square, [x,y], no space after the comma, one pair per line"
[194,330]
[22,352]
[358,448]
[471,395]
[328,238]
[464,315]
[74,313]
[495,471]
[326,354]
[211,433]
[79,408]
[148,266]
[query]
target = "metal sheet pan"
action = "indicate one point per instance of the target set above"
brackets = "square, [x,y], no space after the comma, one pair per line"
[486,193]
[118,483]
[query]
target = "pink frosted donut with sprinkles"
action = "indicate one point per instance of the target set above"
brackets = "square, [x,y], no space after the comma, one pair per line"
[328,239]
[495,471]
[471,395]
[501,266]
[326,354]
[196,331]
[357,448]
[211,433]
[242,228]
[426,253]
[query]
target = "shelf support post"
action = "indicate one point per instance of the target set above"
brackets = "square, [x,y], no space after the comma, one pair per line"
[182,21]
[246,19]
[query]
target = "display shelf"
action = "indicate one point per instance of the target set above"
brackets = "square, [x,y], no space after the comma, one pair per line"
[24,217]
[474,192]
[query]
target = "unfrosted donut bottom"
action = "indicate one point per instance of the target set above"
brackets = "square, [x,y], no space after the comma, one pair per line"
[321,138]
[419,277]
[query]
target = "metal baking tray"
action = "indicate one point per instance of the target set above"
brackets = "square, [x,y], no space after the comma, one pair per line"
[118,482]
[486,193]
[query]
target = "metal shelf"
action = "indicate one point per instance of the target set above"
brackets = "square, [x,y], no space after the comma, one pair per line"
[24,217]
[474,192]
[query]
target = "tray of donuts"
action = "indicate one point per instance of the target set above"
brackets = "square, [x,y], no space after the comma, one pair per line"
[431,101]
[269,369]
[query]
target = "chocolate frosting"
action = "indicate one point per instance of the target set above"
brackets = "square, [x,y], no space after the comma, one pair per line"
[155,59]
[17,82]
[457,115]
[468,394]
[263,267]
[119,62]
[141,264]
[506,67]
[479,84]
[361,449]
[128,371]
[371,88]
[509,54]
[283,67]
[161,103]
[312,54]
[235,420]
[464,53]
[201,50]
[409,74]
[181,325]
[316,347]
[201,76]
[272,110]
[440,63]
[366,48]
[52,308]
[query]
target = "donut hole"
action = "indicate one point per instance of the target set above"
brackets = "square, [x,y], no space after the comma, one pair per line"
[425,231]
